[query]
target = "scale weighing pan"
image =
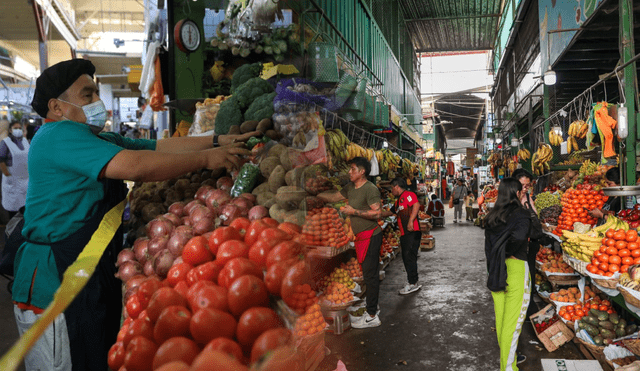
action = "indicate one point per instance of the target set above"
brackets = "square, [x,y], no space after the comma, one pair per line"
[184,105]
[621,191]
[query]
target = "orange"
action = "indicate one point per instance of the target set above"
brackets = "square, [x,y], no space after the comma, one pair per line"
[611,242]
[632,236]
[633,246]
[627,260]
[624,269]
[610,233]
[613,268]
[612,250]
[621,245]
[603,267]
[604,258]
[624,252]
[615,259]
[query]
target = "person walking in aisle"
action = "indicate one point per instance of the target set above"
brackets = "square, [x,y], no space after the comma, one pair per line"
[365,209]
[76,177]
[14,151]
[458,195]
[406,208]
[435,208]
[468,204]
[506,242]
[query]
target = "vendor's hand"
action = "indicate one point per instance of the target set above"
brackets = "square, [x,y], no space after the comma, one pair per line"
[235,138]
[349,210]
[410,227]
[596,213]
[226,156]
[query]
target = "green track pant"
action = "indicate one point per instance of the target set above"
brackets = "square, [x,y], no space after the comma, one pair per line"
[511,309]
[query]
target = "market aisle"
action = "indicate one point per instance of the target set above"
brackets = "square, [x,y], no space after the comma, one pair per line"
[448,325]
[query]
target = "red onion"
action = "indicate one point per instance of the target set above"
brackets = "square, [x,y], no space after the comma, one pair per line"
[202,226]
[178,239]
[157,244]
[128,270]
[147,269]
[229,213]
[249,197]
[178,260]
[173,218]
[258,212]
[135,281]
[125,256]
[225,183]
[131,291]
[141,250]
[243,204]
[159,227]
[191,205]
[200,213]
[186,221]
[203,192]
[217,198]
[177,208]
[162,263]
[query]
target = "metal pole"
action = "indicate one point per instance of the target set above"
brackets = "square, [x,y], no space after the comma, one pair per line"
[546,111]
[627,52]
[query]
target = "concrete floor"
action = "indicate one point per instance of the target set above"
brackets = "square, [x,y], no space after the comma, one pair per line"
[448,325]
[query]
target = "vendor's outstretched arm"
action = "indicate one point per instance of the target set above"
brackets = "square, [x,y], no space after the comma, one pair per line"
[150,166]
[191,144]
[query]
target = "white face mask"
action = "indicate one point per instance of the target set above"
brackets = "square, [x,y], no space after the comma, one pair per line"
[96,114]
[16,133]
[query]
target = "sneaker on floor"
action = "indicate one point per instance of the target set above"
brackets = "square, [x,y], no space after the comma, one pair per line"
[408,289]
[366,322]
[455,220]
[520,359]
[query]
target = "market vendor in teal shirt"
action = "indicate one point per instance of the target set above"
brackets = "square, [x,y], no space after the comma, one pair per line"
[76,176]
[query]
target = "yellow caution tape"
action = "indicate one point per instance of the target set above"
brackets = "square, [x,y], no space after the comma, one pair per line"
[75,278]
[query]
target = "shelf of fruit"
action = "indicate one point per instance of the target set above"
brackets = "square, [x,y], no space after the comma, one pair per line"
[354,269]
[603,324]
[325,227]
[618,251]
[337,296]
[575,206]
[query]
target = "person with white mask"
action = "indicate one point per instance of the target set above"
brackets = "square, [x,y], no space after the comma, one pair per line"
[14,150]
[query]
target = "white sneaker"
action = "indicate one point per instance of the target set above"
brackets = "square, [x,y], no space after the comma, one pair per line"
[408,289]
[366,321]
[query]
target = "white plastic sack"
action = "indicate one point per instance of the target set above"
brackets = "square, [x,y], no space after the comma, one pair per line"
[375,168]
[147,117]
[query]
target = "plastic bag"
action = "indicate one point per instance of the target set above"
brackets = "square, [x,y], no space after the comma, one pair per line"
[298,125]
[146,121]
[205,118]
[246,179]
[156,99]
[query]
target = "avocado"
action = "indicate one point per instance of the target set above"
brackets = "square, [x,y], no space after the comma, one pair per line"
[607,334]
[622,323]
[606,325]
[591,320]
[603,316]
[591,330]
[630,329]
[620,332]
[614,318]
[599,340]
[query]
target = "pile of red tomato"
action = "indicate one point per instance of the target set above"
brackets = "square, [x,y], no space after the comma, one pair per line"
[576,312]
[214,305]
[575,206]
[619,250]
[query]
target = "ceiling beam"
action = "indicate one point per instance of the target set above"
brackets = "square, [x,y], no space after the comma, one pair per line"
[453,18]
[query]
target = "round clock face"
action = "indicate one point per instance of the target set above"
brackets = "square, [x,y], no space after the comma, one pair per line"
[190,35]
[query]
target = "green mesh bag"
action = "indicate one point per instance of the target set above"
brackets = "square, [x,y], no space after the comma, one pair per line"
[323,62]
[357,100]
[382,114]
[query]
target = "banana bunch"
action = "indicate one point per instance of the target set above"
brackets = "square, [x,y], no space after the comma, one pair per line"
[511,165]
[578,129]
[572,143]
[540,159]
[581,246]
[555,139]
[612,222]
[494,158]
[354,150]
[524,154]
[387,161]
[408,168]
[336,142]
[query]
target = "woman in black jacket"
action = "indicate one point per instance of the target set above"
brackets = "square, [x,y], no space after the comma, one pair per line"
[506,242]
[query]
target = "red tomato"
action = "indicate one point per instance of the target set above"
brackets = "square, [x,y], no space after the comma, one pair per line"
[253,233]
[178,273]
[208,271]
[176,349]
[182,288]
[236,268]
[221,235]
[282,359]
[214,360]
[283,251]
[258,252]
[624,269]
[123,330]
[139,327]
[632,236]
[246,292]
[116,354]
[148,288]
[231,249]
[174,366]
[208,324]
[271,222]
[225,345]
[134,307]
[298,274]
[241,225]
[275,235]
[163,298]
[144,315]
[209,296]
[139,354]
[274,276]
[290,228]
[624,253]
[268,341]
[197,286]
[196,251]
[173,321]
[253,322]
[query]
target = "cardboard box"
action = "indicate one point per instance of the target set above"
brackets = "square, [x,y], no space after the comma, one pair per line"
[554,336]
[570,365]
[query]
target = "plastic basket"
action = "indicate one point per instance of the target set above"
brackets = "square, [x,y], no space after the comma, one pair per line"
[356,102]
[382,114]
[323,62]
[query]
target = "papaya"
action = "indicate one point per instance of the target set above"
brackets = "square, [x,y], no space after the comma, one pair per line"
[607,334]
[591,320]
[614,318]
[620,332]
[603,316]
[606,325]
[630,329]
[622,322]
[599,340]
[591,330]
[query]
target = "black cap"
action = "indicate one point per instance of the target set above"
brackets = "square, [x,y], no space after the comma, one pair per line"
[56,79]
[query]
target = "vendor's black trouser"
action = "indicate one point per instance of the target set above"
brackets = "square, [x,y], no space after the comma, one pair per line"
[371,273]
[410,243]
[534,246]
